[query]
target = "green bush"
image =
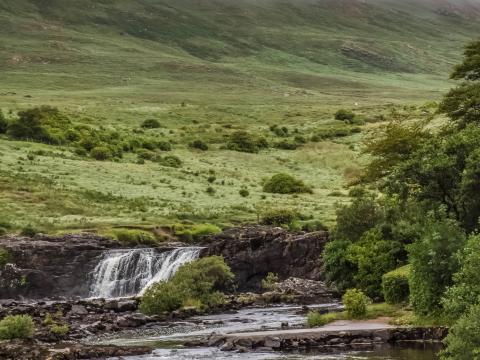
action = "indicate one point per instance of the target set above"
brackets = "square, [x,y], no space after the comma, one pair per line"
[199,144]
[100,153]
[145,154]
[170,161]
[434,261]
[3,123]
[395,288]
[151,124]
[356,303]
[315,319]
[270,281]
[285,184]
[60,330]
[466,290]
[287,145]
[16,327]
[29,231]
[463,340]
[198,282]
[244,142]
[244,193]
[344,115]
[164,146]
[279,217]
[135,237]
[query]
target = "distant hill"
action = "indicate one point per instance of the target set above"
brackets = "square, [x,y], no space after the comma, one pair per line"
[216,50]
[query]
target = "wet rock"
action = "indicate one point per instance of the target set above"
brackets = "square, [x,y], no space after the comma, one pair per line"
[272,342]
[78,310]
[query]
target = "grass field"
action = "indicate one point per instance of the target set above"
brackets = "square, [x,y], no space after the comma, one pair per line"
[205,69]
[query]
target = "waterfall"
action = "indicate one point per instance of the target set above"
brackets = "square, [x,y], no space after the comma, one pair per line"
[122,273]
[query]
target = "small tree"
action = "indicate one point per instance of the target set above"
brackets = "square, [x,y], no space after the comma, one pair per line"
[356,303]
[285,184]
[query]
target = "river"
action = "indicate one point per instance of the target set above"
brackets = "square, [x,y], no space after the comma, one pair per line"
[167,339]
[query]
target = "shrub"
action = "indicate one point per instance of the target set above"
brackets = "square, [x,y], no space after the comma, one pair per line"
[339,268]
[16,327]
[164,146]
[5,257]
[100,153]
[269,282]
[60,330]
[145,154]
[434,261]
[356,303]
[244,193]
[287,145]
[279,217]
[344,115]
[151,124]
[210,191]
[244,142]
[29,231]
[285,184]
[463,340]
[170,161]
[3,123]
[3,231]
[466,290]
[199,144]
[211,179]
[198,282]
[135,237]
[395,288]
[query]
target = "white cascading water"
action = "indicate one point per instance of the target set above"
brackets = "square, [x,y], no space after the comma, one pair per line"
[123,273]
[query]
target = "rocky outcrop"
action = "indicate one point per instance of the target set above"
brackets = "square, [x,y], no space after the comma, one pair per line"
[51,266]
[252,252]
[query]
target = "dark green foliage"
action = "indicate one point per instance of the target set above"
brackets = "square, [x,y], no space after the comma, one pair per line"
[466,289]
[3,123]
[360,216]
[170,161]
[279,131]
[285,184]
[146,154]
[279,217]
[463,340]
[344,115]
[164,146]
[29,231]
[356,303]
[470,68]
[151,124]
[287,145]
[373,256]
[395,288]
[198,282]
[339,268]
[199,145]
[433,262]
[211,179]
[244,193]
[210,191]
[43,124]
[101,153]
[16,327]
[244,142]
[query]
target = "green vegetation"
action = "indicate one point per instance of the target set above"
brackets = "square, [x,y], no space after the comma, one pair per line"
[16,327]
[345,115]
[279,217]
[151,124]
[135,237]
[195,233]
[356,303]
[285,184]
[244,142]
[395,287]
[270,281]
[199,283]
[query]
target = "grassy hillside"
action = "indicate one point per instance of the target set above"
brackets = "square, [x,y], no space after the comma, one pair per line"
[206,69]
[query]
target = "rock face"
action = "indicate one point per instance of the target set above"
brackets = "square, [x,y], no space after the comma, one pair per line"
[45,266]
[252,252]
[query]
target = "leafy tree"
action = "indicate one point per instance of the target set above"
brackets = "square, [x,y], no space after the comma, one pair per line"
[462,104]
[433,262]
[466,290]
[339,268]
[463,340]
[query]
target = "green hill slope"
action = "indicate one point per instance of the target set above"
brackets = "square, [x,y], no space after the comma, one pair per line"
[205,69]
